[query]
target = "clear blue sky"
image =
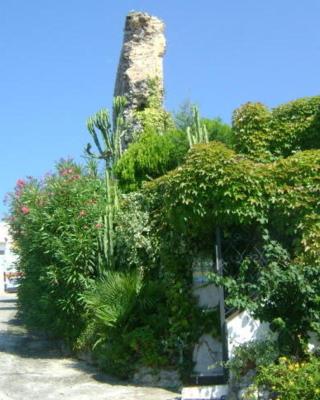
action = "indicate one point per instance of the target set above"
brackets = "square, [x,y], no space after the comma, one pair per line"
[59,59]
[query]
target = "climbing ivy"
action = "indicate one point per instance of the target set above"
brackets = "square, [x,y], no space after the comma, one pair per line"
[266,134]
[218,187]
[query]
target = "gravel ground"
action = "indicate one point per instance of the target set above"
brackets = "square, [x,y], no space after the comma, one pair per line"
[32,368]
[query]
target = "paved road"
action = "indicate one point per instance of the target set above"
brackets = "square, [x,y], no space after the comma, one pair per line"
[31,368]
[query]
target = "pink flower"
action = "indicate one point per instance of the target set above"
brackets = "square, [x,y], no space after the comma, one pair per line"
[64,172]
[98,226]
[82,213]
[21,183]
[25,210]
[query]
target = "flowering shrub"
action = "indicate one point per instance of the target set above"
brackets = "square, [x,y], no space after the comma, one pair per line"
[291,380]
[54,222]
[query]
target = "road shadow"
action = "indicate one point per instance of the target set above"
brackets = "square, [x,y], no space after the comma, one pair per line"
[16,340]
[8,300]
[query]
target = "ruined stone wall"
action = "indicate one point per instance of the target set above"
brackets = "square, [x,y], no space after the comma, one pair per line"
[141,60]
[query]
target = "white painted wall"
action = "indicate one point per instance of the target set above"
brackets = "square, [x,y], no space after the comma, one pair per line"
[8,259]
[314,342]
[207,354]
[244,328]
[241,328]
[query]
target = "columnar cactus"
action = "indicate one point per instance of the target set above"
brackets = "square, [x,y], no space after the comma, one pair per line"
[197,132]
[106,234]
[109,143]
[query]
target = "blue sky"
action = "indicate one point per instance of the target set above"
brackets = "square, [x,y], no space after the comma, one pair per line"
[59,59]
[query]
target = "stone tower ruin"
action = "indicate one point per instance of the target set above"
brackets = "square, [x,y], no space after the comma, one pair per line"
[141,59]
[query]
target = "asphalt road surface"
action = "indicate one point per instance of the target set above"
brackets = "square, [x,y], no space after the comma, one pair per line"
[33,368]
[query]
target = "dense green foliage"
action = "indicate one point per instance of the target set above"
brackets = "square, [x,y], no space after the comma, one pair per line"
[151,156]
[291,380]
[101,265]
[216,128]
[210,189]
[265,134]
[251,355]
[55,224]
[219,131]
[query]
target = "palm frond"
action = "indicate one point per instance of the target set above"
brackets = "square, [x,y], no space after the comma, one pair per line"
[112,299]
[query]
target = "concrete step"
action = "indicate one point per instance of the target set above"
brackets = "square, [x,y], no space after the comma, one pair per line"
[216,392]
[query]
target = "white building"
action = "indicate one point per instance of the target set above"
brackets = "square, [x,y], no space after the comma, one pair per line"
[7,257]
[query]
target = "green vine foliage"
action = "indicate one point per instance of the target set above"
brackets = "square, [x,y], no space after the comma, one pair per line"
[218,187]
[266,134]
[210,188]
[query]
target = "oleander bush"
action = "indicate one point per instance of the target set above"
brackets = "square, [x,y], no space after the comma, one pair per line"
[55,224]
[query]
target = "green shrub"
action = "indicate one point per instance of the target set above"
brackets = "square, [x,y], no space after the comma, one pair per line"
[266,134]
[251,356]
[217,187]
[281,292]
[123,312]
[55,227]
[250,125]
[152,155]
[291,380]
[111,299]
[216,128]
[219,131]
[136,244]
[210,188]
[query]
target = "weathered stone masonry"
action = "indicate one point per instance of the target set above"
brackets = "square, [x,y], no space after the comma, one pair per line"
[141,59]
